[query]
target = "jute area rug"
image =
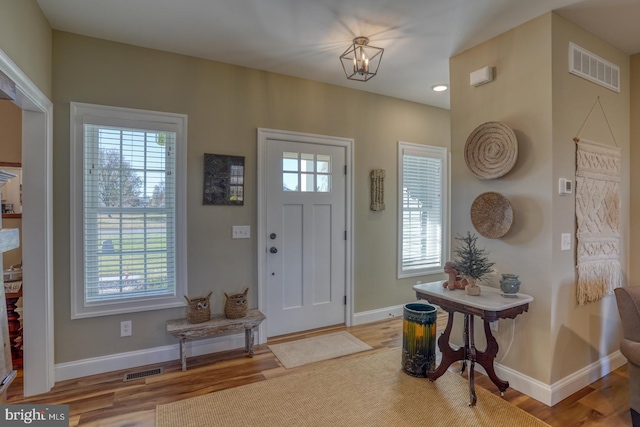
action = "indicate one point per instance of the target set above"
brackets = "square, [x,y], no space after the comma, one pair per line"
[315,349]
[366,391]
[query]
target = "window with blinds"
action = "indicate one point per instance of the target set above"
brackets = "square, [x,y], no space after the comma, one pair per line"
[132,228]
[421,209]
[129,208]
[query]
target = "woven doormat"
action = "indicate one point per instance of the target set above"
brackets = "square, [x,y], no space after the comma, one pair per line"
[310,350]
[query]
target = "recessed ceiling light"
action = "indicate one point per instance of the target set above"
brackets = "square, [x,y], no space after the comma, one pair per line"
[439,88]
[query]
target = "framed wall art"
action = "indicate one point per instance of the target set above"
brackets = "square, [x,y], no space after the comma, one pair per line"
[223,180]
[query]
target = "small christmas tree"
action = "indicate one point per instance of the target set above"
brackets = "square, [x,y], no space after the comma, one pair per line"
[471,261]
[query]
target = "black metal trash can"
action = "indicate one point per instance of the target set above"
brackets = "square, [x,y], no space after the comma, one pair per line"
[419,339]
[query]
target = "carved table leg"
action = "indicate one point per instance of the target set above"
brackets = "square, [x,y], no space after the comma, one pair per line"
[449,355]
[486,358]
[465,343]
[471,345]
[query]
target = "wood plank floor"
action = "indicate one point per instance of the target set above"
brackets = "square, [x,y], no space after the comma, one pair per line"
[106,400]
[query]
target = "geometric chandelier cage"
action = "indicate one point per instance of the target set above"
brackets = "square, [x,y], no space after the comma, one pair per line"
[361,61]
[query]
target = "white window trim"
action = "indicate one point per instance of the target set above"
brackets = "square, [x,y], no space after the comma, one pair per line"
[433,152]
[132,118]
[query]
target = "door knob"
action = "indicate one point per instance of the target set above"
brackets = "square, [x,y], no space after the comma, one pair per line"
[273,250]
[272,236]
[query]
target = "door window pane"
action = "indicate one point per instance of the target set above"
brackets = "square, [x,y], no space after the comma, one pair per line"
[290,162]
[306,172]
[324,183]
[306,182]
[323,163]
[290,182]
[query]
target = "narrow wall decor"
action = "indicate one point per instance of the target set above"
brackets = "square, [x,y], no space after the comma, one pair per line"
[598,216]
[223,180]
[377,189]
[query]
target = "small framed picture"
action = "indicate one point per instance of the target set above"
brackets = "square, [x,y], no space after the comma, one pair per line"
[223,180]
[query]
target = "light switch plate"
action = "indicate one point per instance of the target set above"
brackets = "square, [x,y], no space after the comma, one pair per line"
[566,242]
[241,232]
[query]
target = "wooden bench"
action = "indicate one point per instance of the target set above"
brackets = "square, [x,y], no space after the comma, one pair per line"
[217,325]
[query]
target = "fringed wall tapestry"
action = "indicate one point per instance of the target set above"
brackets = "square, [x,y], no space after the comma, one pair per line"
[598,215]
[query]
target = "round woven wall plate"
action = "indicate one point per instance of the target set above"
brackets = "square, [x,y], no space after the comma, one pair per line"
[491,150]
[491,215]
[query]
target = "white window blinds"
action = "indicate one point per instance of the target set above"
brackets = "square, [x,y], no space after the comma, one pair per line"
[129,213]
[128,210]
[422,191]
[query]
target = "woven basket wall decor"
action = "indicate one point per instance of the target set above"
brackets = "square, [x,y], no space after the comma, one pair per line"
[491,150]
[491,215]
[236,305]
[198,309]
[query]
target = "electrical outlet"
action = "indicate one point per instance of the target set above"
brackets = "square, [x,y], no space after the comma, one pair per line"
[494,326]
[125,328]
[566,242]
[241,232]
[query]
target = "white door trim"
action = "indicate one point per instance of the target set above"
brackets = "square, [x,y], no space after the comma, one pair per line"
[347,143]
[37,229]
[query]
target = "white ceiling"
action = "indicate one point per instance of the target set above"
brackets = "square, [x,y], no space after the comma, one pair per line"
[304,38]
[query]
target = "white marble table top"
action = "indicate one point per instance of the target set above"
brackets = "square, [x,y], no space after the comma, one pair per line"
[490,299]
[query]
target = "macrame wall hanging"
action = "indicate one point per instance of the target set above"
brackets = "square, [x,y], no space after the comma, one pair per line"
[598,217]
[377,189]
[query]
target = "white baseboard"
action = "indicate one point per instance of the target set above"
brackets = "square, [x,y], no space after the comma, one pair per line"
[547,394]
[585,376]
[377,314]
[381,313]
[554,393]
[133,359]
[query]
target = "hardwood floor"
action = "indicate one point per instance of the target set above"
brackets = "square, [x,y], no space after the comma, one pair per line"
[106,400]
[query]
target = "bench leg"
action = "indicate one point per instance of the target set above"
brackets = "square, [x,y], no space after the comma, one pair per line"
[248,341]
[183,355]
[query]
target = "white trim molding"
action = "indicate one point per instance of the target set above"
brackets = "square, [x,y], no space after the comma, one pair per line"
[37,226]
[556,392]
[369,316]
[136,359]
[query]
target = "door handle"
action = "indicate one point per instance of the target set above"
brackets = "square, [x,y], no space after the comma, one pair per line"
[273,250]
[272,236]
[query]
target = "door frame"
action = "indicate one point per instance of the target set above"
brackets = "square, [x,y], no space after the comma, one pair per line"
[37,229]
[264,135]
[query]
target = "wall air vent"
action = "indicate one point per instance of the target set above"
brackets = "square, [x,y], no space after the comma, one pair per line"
[591,67]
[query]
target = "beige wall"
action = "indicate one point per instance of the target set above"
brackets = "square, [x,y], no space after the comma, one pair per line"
[583,335]
[535,95]
[634,235]
[520,96]
[225,105]
[25,36]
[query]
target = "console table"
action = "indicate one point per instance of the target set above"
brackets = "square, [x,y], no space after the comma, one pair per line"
[217,325]
[490,306]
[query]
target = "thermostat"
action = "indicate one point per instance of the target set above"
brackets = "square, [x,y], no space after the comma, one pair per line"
[565,186]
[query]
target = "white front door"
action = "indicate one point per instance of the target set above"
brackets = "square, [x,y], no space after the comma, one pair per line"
[305,235]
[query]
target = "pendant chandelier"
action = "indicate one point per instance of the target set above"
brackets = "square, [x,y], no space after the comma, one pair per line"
[361,61]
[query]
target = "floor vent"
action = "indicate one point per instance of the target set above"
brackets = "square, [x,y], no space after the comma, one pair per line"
[142,374]
[590,66]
